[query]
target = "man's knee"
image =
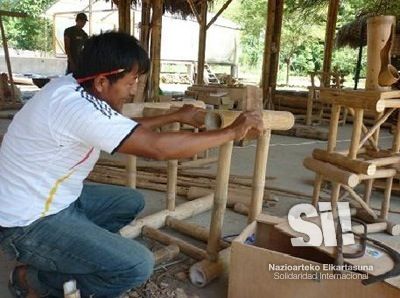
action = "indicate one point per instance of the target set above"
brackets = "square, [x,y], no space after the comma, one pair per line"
[133,201]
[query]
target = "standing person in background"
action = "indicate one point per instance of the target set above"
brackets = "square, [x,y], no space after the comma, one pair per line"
[74,38]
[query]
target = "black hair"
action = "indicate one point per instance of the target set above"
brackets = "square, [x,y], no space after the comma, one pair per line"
[108,52]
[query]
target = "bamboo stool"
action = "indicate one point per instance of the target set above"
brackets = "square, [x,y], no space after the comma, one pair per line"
[210,267]
[361,163]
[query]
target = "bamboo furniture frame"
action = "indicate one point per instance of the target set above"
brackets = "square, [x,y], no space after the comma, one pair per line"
[209,266]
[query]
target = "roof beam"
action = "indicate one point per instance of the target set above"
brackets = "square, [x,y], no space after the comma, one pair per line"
[225,6]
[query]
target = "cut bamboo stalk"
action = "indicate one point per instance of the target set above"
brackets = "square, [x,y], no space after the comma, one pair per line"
[221,197]
[353,165]
[165,254]
[190,229]
[331,172]
[186,248]
[202,273]
[334,198]
[375,129]
[157,220]
[333,127]
[172,173]
[260,168]
[241,209]
[273,120]
[383,173]
[368,190]
[355,138]
[131,171]
[360,201]
[317,189]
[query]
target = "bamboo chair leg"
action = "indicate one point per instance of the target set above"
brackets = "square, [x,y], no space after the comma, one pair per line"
[317,189]
[172,177]
[131,171]
[368,190]
[333,127]
[356,135]
[220,199]
[334,198]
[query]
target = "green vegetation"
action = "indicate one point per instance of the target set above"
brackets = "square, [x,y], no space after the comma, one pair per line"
[303,33]
[31,33]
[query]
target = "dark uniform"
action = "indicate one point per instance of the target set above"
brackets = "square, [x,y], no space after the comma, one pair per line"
[77,38]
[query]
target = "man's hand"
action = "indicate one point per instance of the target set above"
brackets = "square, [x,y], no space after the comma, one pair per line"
[191,115]
[245,122]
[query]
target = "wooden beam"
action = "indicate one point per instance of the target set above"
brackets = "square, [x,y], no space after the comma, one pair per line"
[145,24]
[225,6]
[7,57]
[271,49]
[329,39]
[155,51]
[202,43]
[13,14]
[194,10]
[124,16]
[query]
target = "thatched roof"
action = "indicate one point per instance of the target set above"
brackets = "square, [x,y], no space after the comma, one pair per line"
[350,34]
[179,7]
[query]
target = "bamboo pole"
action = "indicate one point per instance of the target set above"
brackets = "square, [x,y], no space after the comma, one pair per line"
[186,248]
[124,16]
[271,49]
[167,253]
[157,220]
[7,57]
[317,189]
[333,127]
[131,171]
[202,43]
[190,229]
[155,51]
[172,178]
[221,197]
[329,39]
[222,9]
[359,200]
[355,138]
[260,167]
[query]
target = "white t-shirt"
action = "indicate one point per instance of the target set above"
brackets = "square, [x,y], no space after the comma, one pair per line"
[51,146]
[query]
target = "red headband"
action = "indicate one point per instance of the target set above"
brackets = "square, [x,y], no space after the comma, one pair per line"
[84,79]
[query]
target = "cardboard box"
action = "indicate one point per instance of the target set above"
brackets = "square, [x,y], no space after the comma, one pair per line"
[254,270]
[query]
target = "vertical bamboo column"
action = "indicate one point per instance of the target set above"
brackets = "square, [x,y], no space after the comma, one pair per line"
[271,48]
[329,39]
[202,43]
[220,199]
[90,17]
[333,130]
[131,171]
[260,167]
[172,177]
[7,56]
[356,135]
[155,51]
[124,16]
[389,181]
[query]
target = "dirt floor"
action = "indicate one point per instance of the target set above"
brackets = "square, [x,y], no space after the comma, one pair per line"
[284,165]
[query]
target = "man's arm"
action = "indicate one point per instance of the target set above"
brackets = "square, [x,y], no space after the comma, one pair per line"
[188,114]
[176,145]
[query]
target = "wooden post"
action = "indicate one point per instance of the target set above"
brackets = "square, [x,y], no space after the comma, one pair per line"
[329,40]
[202,43]
[221,197]
[124,16]
[260,167]
[145,24]
[8,62]
[271,49]
[90,17]
[155,51]
[356,135]
[131,171]
[333,127]
[172,172]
